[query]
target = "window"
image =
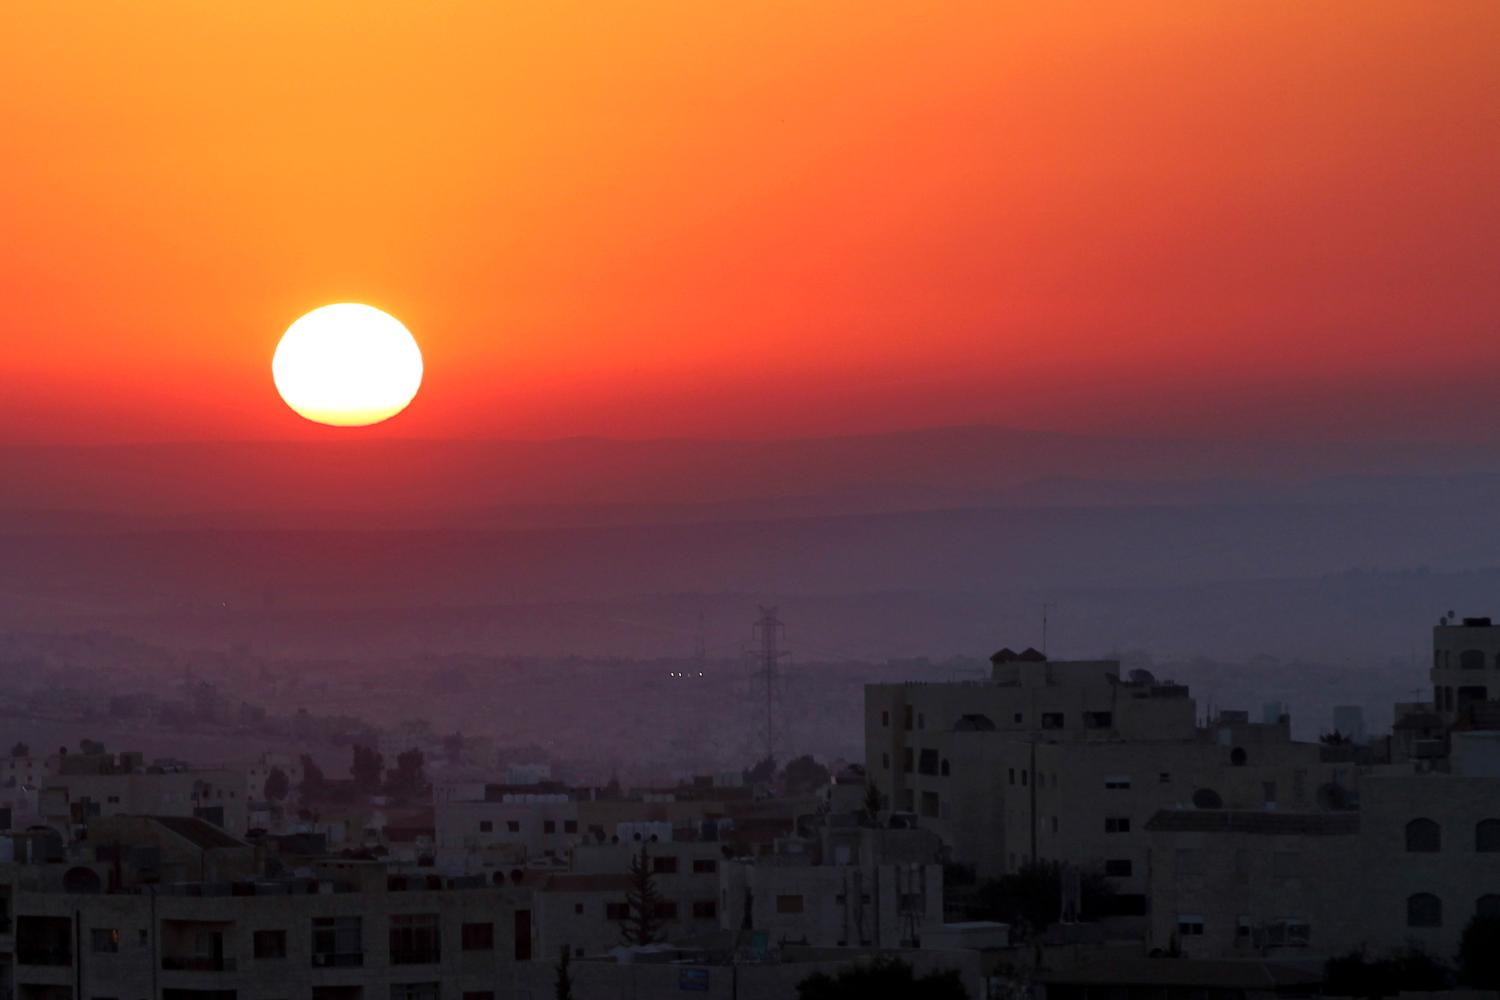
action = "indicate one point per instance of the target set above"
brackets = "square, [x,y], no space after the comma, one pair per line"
[1487,836]
[549,826]
[666,910]
[930,805]
[664,864]
[1019,718]
[1189,925]
[705,866]
[1025,776]
[513,825]
[269,944]
[570,826]
[414,991]
[1098,720]
[927,762]
[908,759]
[1117,824]
[578,909]
[1471,659]
[1052,720]
[1268,792]
[486,826]
[945,770]
[1118,867]
[1117,781]
[617,911]
[788,904]
[705,909]
[906,717]
[1237,756]
[105,940]
[479,995]
[885,761]
[1424,910]
[1244,926]
[337,941]
[415,939]
[1012,776]
[921,721]
[1423,836]
[1164,777]
[885,719]
[477,937]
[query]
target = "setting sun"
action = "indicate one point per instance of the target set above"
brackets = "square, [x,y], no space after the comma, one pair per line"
[347,365]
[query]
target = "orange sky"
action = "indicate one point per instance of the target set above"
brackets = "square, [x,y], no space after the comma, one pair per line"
[698,218]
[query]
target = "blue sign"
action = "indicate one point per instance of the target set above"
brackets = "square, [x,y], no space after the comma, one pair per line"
[693,980]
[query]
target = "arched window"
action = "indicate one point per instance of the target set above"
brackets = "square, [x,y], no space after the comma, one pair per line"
[945,769]
[1471,659]
[1423,836]
[1487,836]
[1424,910]
[1237,756]
[1487,906]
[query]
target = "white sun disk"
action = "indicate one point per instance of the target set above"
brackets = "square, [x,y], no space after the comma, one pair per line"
[347,365]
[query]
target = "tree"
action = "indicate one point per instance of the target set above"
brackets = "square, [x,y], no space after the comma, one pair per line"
[20,750]
[763,773]
[642,923]
[563,988]
[1030,899]
[1335,739]
[408,780]
[1356,975]
[277,785]
[314,786]
[885,978]
[367,768]
[872,804]
[1479,953]
[453,747]
[804,775]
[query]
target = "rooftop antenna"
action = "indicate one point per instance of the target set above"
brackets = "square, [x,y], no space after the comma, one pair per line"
[1046,607]
[769,631]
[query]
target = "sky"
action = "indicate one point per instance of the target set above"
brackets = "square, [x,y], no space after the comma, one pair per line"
[757,220]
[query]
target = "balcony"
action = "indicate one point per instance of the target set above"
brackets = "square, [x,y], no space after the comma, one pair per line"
[58,954]
[338,959]
[197,963]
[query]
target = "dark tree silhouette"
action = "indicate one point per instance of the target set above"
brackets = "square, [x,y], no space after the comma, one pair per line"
[642,923]
[563,986]
[1356,975]
[408,780]
[1030,900]
[886,978]
[804,775]
[872,804]
[1479,953]
[313,786]
[367,768]
[763,773]
[277,785]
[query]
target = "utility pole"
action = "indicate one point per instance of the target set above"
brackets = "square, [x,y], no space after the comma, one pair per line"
[768,632]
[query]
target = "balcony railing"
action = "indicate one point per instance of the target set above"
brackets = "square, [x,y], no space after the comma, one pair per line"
[43,955]
[337,959]
[416,956]
[197,963]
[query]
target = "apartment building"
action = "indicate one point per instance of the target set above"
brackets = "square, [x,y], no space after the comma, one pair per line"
[71,798]
[1064,760]
[350,932]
